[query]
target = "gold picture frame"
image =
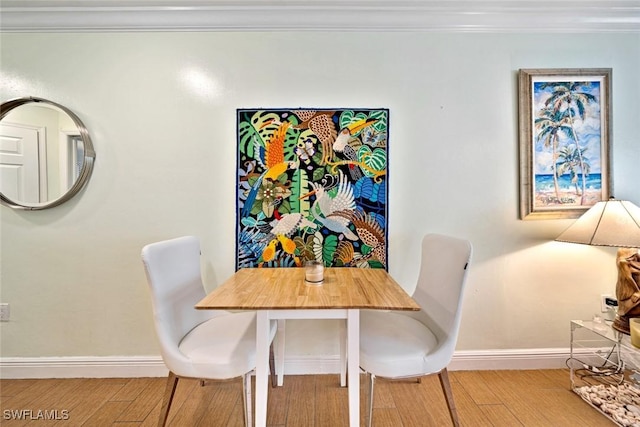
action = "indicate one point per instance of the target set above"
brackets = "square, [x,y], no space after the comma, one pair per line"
[565,141]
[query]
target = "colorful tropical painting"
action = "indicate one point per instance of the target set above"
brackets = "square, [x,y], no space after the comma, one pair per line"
[568,141]
[312,185]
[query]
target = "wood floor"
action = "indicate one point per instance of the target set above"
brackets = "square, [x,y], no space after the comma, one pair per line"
[483,398]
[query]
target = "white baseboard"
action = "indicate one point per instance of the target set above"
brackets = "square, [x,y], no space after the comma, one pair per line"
[152,366]
[82,367]
[483,360]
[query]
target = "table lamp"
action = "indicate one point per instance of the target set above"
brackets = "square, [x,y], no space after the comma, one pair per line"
[614,223]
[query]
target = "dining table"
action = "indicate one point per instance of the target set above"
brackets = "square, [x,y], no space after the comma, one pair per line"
[281,293]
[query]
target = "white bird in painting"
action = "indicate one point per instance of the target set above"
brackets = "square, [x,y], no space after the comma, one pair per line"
[335,212]
[282,228]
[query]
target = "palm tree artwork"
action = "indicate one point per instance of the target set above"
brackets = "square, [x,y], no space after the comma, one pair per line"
[550,123]
[567,143]
[571,159]
[311,185]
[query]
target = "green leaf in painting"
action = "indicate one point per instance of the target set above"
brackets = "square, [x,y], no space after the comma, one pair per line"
[345,118]
[318,174]
[374,263]
[248,137]
[290,141]
[329,248]
[299,186]
[381,117]
[264,123]
[376,159]
[285,207]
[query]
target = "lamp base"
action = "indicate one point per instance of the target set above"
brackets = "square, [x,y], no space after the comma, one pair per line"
[627,288]
[621,324]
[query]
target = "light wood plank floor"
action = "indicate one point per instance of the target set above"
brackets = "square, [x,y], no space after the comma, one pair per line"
[483,398]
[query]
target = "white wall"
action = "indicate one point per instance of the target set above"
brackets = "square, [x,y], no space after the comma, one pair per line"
[160,108]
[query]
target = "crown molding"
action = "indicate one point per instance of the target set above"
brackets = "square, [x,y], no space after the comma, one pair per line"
[542,16]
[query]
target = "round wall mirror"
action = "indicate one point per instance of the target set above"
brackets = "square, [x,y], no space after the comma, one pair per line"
[46,154]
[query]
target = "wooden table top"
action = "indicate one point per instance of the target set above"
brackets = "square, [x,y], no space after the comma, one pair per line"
[285,288]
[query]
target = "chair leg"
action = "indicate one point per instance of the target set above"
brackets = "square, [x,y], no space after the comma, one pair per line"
[443,375]
[169,391]
[372,379]
[272,367]
[246,399]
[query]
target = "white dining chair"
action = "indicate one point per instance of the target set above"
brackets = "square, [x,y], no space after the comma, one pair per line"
[414,344]
[201,344]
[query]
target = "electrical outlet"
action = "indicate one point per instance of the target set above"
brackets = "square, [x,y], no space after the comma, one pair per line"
[4,312]
[603,303]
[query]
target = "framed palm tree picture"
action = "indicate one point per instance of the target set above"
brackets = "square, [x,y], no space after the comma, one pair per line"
[565,141]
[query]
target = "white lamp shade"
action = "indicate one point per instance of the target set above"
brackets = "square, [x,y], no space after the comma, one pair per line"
[611,223]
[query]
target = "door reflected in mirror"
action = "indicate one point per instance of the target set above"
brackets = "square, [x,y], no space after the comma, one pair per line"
[46,155]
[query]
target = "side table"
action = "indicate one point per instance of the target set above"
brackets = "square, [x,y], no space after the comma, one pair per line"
[603,368]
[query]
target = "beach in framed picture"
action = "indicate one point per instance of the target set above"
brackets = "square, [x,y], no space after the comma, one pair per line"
[564,141]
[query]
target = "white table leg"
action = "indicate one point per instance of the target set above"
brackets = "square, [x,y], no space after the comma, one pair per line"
[353,368]
[262,366]
[343,353]
[280,352]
